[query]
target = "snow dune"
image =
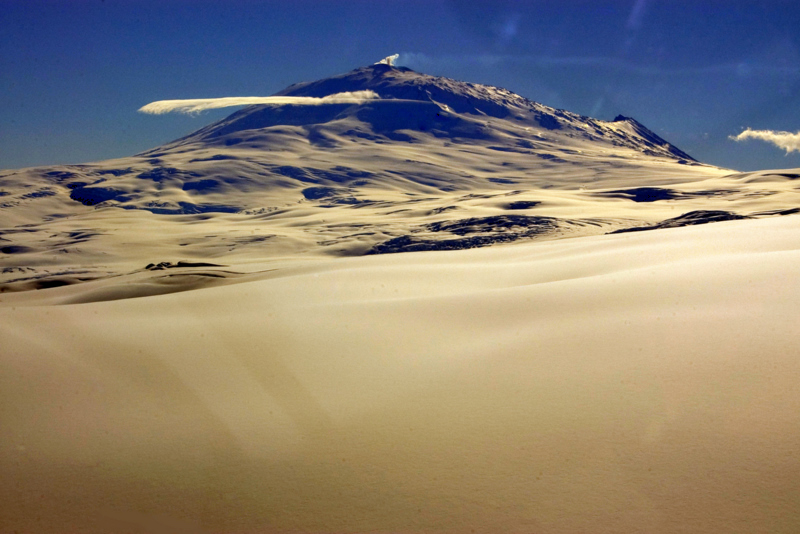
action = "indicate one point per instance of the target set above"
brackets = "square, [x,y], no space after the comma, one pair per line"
[639,382]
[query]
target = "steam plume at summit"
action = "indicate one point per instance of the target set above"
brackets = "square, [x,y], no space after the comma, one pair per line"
[388,60]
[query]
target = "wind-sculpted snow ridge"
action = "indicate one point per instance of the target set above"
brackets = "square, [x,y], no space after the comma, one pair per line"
[427,163]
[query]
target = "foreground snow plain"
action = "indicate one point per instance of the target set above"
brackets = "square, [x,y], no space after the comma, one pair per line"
[640,382]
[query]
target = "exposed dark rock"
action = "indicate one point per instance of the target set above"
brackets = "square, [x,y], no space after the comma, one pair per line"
[688,219]
[522,205]
[789,211]
[442,209]
[492,230]
[409,243]
[169,265]
[496,224]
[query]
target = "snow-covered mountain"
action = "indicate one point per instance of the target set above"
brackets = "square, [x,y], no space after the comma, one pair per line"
[431,164]
[416,107]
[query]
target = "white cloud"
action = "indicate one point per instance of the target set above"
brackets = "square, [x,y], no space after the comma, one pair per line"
[788,141]
[196,105]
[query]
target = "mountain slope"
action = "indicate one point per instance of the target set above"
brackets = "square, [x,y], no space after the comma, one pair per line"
[432,164]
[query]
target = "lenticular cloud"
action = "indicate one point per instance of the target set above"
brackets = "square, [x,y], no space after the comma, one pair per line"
[788,141]
[196,105]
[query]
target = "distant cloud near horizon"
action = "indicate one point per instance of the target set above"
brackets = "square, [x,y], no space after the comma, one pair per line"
[196,105]
[788,141]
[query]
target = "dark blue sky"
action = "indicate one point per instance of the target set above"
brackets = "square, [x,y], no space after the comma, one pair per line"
[73,73]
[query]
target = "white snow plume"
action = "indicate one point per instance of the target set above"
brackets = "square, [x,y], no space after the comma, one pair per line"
[788,141]
[196,105]
[388,60]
